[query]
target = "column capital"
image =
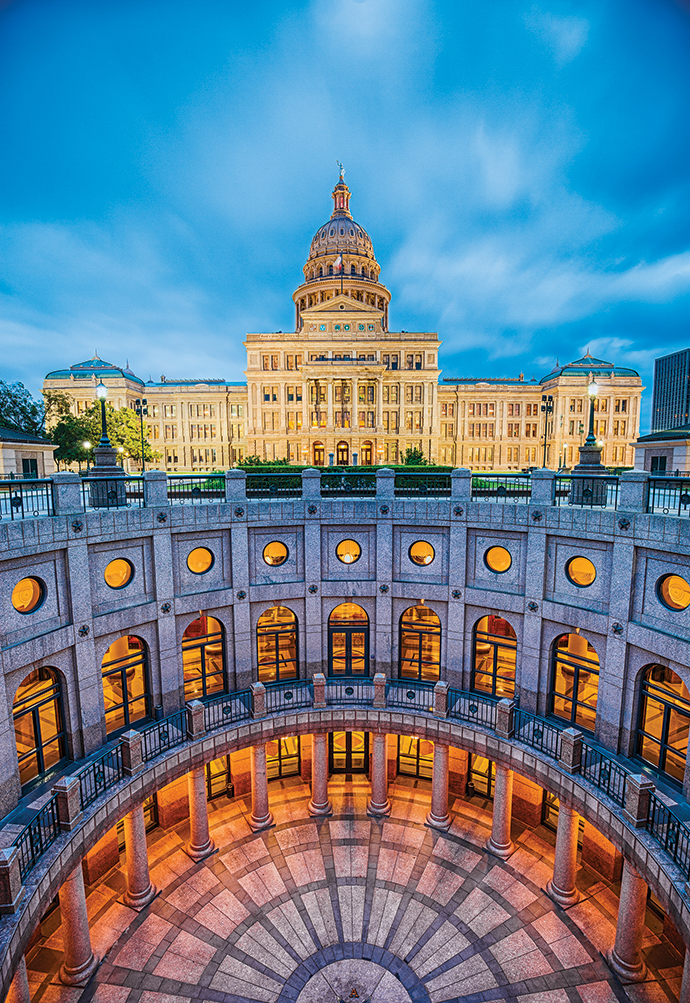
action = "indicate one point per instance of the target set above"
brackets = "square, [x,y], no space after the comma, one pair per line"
[67,790]
[132,752]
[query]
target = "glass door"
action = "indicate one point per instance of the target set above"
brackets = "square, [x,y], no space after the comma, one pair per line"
[348,751]
[415,757]
[283,758]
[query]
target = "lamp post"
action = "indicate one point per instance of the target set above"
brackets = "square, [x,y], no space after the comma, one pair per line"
[108,491]
[87,446]
[547,411]
[589,486]
[142,410]
[592,391]
[102,393]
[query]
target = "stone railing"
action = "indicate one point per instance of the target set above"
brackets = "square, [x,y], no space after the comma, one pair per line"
[70,494]
[630,791]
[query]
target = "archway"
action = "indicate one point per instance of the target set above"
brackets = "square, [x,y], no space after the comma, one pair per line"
[494,657]
[126,696]
[574,681]
[348,641]
[276,641]
[203,659]
[420,644]
[39,724]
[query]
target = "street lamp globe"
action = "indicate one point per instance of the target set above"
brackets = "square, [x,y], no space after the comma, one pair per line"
[86,445]
[101,391]
[593,389]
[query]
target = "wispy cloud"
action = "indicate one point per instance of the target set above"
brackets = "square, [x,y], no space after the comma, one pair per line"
[564,36]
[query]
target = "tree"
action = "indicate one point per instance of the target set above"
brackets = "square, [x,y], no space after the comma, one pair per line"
[124,430]
[19,411]
[70,433]
[414,457]
[56,404]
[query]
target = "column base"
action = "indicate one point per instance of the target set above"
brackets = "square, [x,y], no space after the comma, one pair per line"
[624,971]
[502,850]
[435,822]
[257,824]
[320,809]
[79,976]
[197,853]
[379,810]
[141,900]
[560,897]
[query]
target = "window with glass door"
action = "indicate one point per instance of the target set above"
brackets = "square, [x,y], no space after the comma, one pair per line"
[125,684]
[494,657]
[420,644]
[574,681]
[276,639]
[39,725]
[348,641]
[664,721]
[203,659]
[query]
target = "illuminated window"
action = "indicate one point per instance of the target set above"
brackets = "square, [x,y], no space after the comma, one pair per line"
[283,758]
[498,559]
[664,721]
[348,641]
[580,571]
[200,560]
[275,553]
[125,684]
[28,595]
[495,652]
[420,644]
[119,573]
[38,724]
[276,639]
[415,757]
[575,681]
[203,661]
[421,552]
[672,590]
[348,551]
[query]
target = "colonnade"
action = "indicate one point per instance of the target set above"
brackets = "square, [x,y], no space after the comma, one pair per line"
[80,961]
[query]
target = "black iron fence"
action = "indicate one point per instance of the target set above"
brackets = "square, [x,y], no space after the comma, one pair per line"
[537,733]
[585,492]
[472,707]
[422,485]
[164,735]
[349,690]
[348,485]
[510,489]
[98,776]
[112,492]
[604,773]
[273,486]
[37,836]
[288,696]
[26,499]
[669,496]
[410,694]
[228,708]
[670,832]
[196,489]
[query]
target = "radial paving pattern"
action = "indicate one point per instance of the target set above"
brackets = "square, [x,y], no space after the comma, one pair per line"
[258,920]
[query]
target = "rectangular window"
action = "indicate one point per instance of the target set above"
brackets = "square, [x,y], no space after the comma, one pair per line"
[470,410]
[492,410]
[571,428]
[362,419]
[409,393]
[265,361]
[579,406]
[394,361]
[386,421]
[386,390]
[604,404]
[418,393]
[370,419]
[170,410]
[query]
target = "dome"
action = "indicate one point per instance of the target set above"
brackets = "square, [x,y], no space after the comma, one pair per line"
[341,232]
[586,365]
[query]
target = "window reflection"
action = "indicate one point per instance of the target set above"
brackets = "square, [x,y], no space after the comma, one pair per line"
[415,757]
[420,644]
[664,721]
[125,683]
[495,652]
[276,638]
[38,724]
[283,758]
[575,681]
[203,660]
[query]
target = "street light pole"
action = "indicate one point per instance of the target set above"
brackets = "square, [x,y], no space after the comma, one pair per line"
[547,411]
[592,391]
[141,409]
[102,393]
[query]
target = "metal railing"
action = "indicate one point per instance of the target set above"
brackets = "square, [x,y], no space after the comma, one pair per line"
[26,499]
[668,496]
[473,707]
[511,489]
[582,491]
[422,485]
[537,733]
[228,708]
[112,492]
[348,485]
[670,832]
[410,694]
[98,776]
[604,773]
[349,690]
[164,735]
[37,836]
[196,489]
[289,696]
[273,486]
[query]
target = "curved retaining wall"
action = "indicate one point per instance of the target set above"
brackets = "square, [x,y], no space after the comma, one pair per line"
[44,881]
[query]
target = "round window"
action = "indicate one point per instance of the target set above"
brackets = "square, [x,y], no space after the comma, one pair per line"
[28,594]
[200,560]
[673,591]
[275,553]
[498,559]
[580,571]
[119,573]
[421,552]
[348,551]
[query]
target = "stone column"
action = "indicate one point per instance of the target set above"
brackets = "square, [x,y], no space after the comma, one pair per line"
[499,842]
[379,803]
[200,844]
[319,804]
[19,988]
[140,891]
[329,404]
[262,817]
[562,887]
[626,957]
[79,961]
[379,403]
[438,817]
[684,996]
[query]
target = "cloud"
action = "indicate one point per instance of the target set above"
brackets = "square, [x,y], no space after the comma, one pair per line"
[565,37]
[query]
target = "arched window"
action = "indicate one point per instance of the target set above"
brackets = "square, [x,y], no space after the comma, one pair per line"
[320,272]
[342,454]
[348,641]
[664,721]
[276,640]
[420,644]
[367,454]
[39,729]
[203,659]
[330,269]
[574,681]
[125,683]
[353,270]
[495,650]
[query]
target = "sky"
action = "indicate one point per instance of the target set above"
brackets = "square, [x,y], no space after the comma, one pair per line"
[523,170]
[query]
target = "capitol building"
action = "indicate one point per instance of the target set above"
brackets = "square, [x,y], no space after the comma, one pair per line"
[314,735]
[342,388]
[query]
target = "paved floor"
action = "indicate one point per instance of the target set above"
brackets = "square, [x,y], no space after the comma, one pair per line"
[259,919]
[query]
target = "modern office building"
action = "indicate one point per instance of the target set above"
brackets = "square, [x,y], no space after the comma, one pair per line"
[671,395]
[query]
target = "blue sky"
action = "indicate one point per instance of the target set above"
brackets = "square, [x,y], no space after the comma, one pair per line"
[522,168]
